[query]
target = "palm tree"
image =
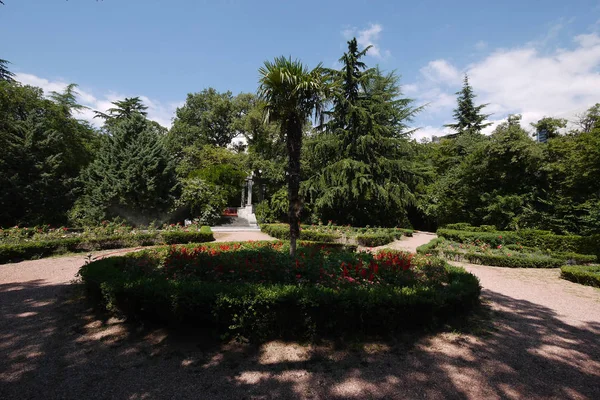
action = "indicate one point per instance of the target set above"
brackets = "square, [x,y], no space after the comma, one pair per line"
[292,94]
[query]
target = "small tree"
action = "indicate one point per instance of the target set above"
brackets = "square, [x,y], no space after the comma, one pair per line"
[292,93]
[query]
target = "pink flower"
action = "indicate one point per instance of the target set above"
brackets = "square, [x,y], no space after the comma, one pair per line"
[499,246]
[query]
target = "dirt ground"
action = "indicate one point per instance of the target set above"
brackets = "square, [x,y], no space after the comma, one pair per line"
[536,338]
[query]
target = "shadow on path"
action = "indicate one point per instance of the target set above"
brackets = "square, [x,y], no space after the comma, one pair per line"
[53,346]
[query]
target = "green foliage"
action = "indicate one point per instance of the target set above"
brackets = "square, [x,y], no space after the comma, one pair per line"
[538,239]
[585,275]
[203,201]
[282,231]
[550,127]
[501,256]
[43,150]
[362,174]
[292,94]
[463,226]
[374,239]
[14,252]
[273,309]
[206,118]
[132,176]
[5,74]
[498,183]
[123,109]
[468,116]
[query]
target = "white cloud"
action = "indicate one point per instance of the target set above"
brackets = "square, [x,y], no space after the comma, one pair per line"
[368,37]
[157,111]
[481,45]
[441,71]
[529,80]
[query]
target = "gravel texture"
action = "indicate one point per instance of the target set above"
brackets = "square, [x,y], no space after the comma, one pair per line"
[536,338]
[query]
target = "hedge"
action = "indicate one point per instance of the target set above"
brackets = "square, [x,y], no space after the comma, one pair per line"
[502,261]
[585,275]
[38,249]
[530,238]
[266,310]
[552,260]
[282,231]
[374,239]
[568,257]
[368,237]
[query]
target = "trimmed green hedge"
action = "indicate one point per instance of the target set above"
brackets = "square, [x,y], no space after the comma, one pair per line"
[261,311]
[502,261]
[38,249]
[585,275]
[368,237]
[463,226]
[374,239]
[282,231]
[530,238]
[550,260]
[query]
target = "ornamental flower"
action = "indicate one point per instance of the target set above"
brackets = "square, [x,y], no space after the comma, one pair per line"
[499,246]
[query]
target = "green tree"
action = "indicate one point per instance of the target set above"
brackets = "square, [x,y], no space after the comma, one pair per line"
[43,150]
[206,118]
[292,94]
[548,126]
[132,176]
[5,73]
[500,183]
[468,116]
[123,109]
[362,165]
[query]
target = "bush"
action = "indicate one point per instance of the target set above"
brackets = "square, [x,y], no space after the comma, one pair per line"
[43,248]
[463,226]
[375,239]
[282,232]
[175,237]
[533,258]
[530,238]
[255,290]
[585,275]
[265,214]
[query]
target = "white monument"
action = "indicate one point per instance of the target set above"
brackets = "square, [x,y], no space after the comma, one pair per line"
[246,211]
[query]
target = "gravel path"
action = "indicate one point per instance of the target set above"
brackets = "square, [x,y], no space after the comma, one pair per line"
[540,343]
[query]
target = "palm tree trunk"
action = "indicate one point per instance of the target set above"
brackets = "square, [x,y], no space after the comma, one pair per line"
[294,144]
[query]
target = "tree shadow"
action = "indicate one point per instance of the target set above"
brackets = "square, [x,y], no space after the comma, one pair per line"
[53,345]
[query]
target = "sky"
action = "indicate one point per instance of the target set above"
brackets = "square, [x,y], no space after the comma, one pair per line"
[536,58]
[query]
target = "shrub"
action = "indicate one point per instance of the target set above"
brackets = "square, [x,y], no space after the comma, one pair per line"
[175,237]
[375,239]
[516,256]
[255,290]
[531,238]
[463,226]
[13,252]
[282,231]
[585,275]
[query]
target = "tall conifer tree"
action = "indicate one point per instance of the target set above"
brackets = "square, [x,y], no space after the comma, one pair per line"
[469,117]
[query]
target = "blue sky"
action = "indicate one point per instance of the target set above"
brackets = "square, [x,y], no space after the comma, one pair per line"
[533,57]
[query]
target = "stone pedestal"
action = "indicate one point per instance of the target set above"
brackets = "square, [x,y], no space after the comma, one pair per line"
[247,213]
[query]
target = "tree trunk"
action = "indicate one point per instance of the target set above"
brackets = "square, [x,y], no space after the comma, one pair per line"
[294,144]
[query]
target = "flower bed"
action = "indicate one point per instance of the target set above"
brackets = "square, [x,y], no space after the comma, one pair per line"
[17,244]
[368,237]
[585,275]
[500,255]
[256,290]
